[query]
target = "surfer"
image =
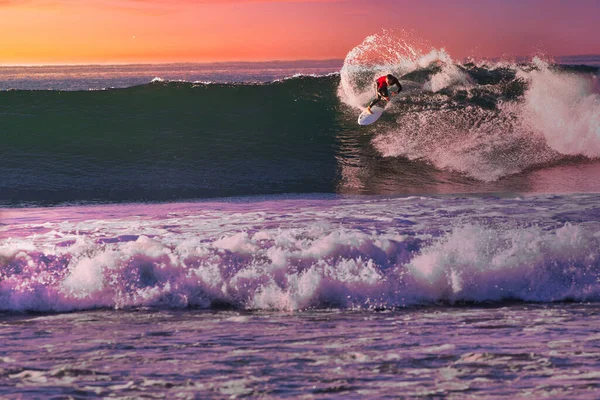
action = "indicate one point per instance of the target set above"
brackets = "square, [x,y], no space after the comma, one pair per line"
[381,89]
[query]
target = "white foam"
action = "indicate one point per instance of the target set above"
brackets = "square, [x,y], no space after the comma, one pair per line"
[450,75]
[564,108]
[328,254]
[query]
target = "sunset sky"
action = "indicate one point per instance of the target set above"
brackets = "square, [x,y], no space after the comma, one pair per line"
[105,31]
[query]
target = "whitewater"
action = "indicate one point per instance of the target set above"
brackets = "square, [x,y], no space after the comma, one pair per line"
[280,250]
[298,254]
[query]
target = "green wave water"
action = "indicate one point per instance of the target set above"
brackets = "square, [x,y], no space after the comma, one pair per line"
[164,141]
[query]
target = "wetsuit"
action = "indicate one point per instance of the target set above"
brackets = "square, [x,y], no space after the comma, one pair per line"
[382,89]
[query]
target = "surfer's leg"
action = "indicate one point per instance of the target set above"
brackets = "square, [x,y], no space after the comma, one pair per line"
[374,101]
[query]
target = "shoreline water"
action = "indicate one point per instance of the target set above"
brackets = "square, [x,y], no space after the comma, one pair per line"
[514,351]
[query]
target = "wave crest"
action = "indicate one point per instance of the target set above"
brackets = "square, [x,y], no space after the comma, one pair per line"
[486,120]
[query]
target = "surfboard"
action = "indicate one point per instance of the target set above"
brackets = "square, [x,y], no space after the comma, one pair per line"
[366,118]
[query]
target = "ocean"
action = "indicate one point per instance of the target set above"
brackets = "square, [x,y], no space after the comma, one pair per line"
[228,230]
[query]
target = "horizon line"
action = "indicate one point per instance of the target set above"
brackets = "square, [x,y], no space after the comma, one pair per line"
[94,64]
[100,64]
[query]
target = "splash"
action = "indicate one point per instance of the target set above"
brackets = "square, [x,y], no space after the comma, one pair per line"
[389,52]
[486,120]
[565,108]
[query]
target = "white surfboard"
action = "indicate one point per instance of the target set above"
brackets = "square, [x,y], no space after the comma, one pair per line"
[367,118]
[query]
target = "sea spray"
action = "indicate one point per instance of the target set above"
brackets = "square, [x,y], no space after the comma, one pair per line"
[565,109]
[484,120]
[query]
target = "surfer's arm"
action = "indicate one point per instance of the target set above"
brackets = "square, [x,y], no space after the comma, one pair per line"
[383,93]
[399,86]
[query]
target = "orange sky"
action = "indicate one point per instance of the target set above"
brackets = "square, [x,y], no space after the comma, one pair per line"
[106,31]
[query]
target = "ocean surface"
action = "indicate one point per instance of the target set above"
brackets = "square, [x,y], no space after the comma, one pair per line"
[228,230]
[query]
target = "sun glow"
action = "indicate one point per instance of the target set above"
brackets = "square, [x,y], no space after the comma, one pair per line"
[105,31]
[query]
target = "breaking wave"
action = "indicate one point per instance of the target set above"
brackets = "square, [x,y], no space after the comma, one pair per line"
[484,119]
[327,254]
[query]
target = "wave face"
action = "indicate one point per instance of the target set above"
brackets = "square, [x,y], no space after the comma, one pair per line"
[168,140]
[287,254]
[476,126]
